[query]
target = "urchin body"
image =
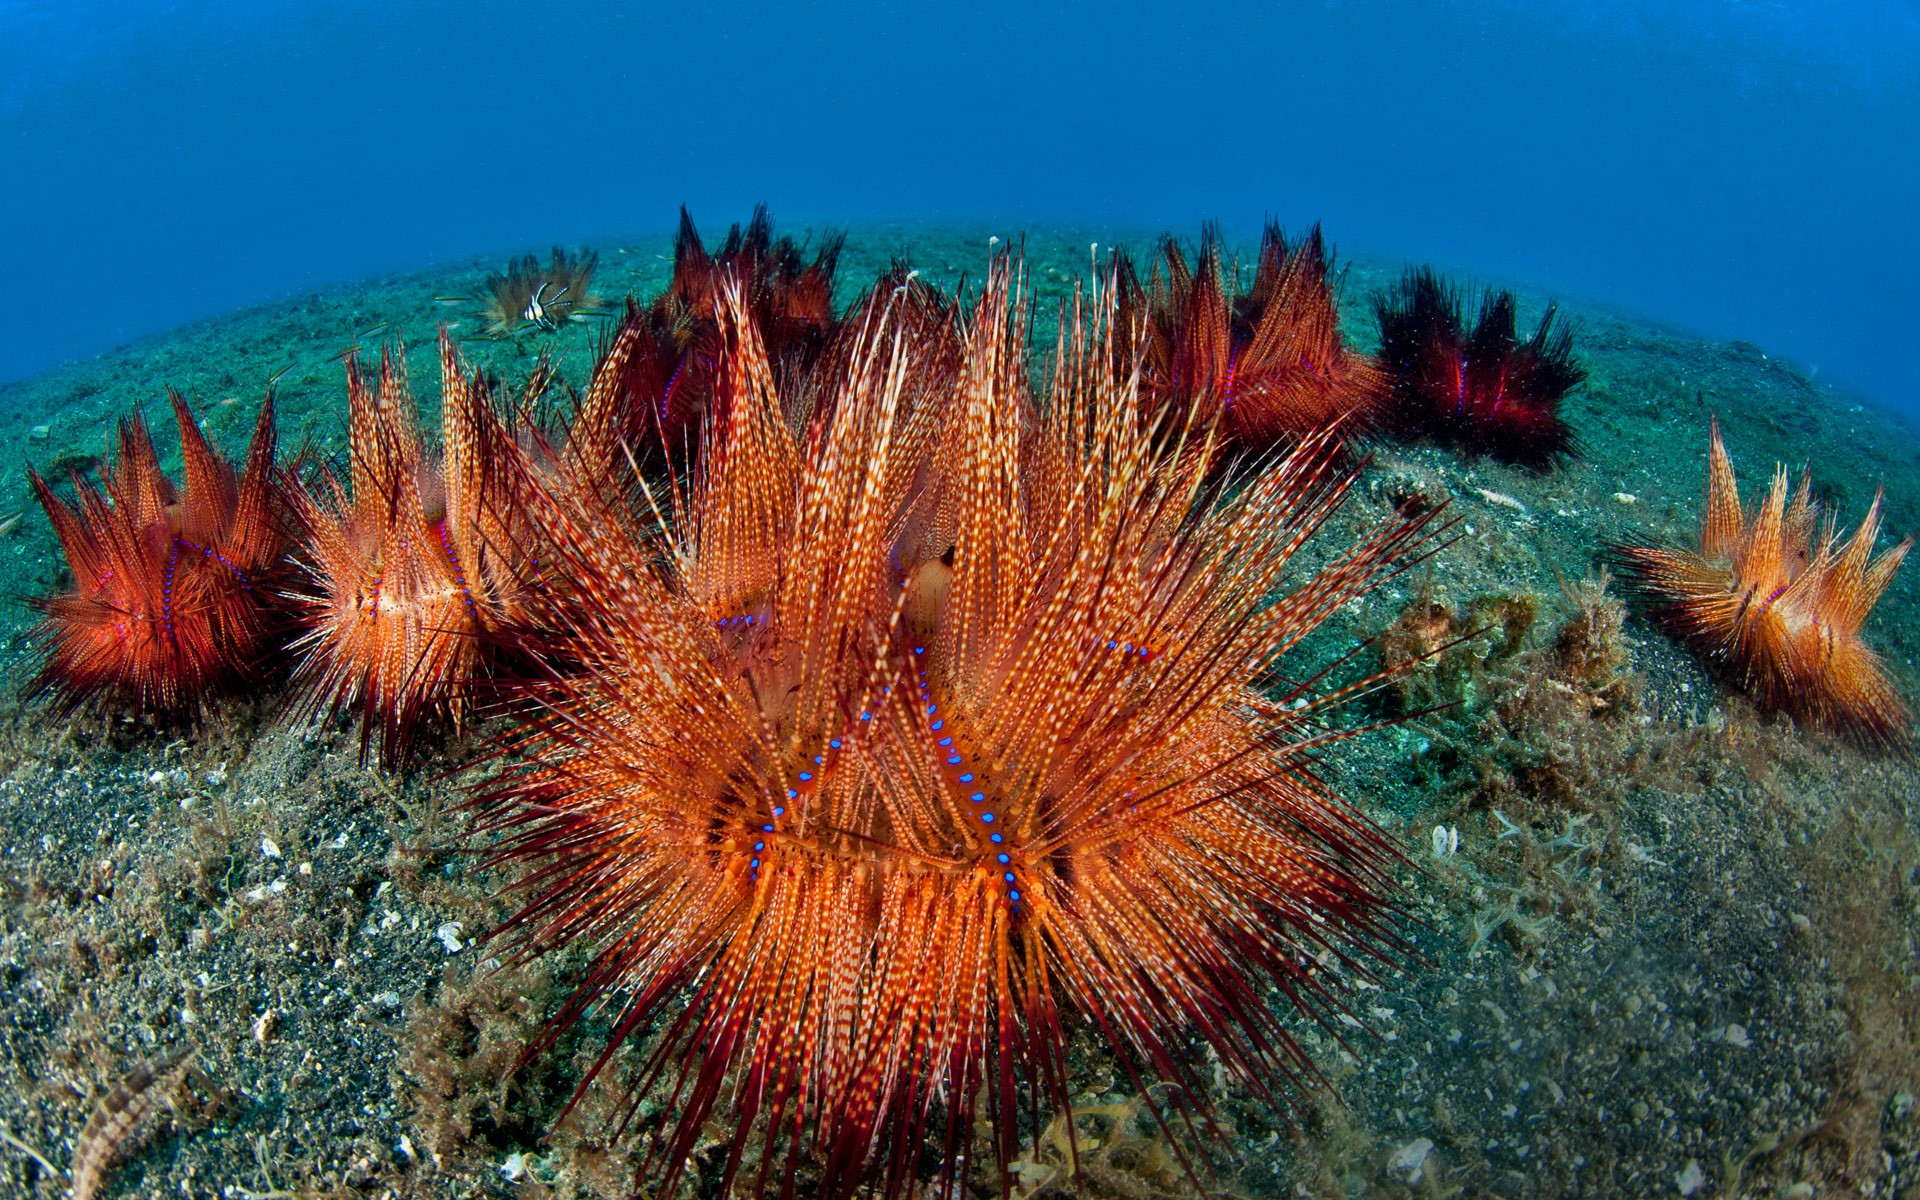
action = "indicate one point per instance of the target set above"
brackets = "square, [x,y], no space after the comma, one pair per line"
[175,594]
[1777,599]
[896,740]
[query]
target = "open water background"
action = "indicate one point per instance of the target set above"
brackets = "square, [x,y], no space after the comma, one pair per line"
[1745,170]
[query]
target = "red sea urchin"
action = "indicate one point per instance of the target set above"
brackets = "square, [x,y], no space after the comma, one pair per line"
[1776,599]
[896,743]
[1482,390]
[668,376]
[175,593]
[1269,362]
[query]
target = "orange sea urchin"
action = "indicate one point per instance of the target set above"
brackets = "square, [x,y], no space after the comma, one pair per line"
[529,296]
[175,594]
[1775,598]
[897,740]
[413,561]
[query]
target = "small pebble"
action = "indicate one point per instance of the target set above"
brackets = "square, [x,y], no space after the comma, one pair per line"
[269,847]
[449,935]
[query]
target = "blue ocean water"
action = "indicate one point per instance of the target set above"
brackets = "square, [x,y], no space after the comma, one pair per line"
[1747,170]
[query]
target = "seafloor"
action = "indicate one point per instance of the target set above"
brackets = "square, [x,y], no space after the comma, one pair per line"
[1677,951]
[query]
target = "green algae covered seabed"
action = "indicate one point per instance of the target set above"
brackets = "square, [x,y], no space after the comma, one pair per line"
[1676,951]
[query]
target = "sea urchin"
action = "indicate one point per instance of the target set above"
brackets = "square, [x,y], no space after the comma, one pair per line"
[1481,389]
[1268,361]
[414,561]
[1775,598]
[892,746]
[175,592]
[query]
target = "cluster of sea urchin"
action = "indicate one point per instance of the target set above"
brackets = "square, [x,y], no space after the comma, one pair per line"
[892,714]
[668,377]
[415,560]
[954,720]
[1481,389]
[1776,599]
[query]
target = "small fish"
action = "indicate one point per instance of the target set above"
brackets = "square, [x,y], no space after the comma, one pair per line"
[537,312]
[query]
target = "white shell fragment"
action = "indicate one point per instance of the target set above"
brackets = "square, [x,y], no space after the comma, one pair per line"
[1409,1162]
